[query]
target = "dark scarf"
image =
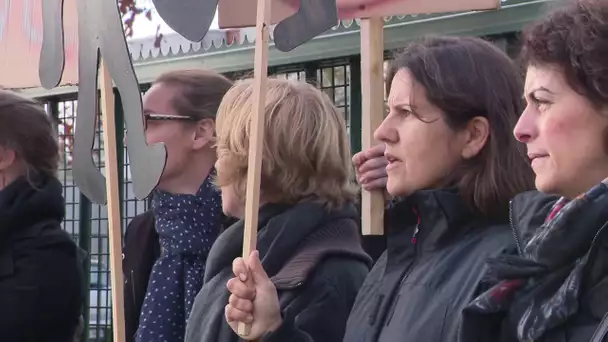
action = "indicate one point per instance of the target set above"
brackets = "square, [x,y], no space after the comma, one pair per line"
[25,203]
[187,226]
[540,288]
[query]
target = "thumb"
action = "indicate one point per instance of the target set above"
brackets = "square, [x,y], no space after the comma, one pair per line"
[256,269]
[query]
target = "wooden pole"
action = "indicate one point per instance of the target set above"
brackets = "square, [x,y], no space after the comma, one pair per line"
[256,140]
[372,103]
[113,205]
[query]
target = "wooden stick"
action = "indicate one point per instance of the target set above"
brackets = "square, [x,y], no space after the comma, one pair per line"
[256,140]
[114,223]
[372,103]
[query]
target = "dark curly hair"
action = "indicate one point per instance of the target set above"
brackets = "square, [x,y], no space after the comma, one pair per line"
[574,38]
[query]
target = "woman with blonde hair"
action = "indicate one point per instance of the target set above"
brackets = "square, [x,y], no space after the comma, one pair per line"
[309,261]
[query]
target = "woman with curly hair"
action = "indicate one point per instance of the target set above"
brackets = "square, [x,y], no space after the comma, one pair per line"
[556,288]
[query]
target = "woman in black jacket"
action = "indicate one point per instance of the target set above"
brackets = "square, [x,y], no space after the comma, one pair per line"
[41,288]
[452,166]
[309,263]
[556,287]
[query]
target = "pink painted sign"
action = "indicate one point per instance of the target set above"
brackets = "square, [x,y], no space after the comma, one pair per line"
[241,13]
[21,42]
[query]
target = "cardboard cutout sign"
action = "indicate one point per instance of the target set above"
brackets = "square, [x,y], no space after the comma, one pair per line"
[313,18]
[191,19]
[347,9]
[22,35]
[100,34]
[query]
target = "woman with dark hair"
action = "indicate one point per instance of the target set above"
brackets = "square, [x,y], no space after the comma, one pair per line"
[452,167]
[41,288]
[556,287]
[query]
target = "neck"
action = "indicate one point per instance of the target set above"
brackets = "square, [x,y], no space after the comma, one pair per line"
[192,177]
[592,178]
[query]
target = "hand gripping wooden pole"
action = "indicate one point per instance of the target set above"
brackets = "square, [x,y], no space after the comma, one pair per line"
[372,103]
[256,140]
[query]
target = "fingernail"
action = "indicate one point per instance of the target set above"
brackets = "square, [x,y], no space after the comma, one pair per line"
[242,276]
[249,318]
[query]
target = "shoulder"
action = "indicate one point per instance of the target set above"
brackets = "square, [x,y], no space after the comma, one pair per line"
[46,256]
[342,274]
[495,236]
[140,225]
[141,221]
[47,237]
[531,207]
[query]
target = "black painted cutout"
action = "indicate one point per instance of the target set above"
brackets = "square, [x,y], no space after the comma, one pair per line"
[192,18]
[313,18]
[100,33]
[189,18]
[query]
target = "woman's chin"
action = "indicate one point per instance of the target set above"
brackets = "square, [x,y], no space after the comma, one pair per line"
[396,190]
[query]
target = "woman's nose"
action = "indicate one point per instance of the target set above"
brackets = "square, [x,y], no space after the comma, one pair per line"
[525,130]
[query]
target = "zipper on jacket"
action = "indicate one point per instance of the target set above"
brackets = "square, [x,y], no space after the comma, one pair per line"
[409,270]
[602,330]
[598,234]
[417,228]
[513,230]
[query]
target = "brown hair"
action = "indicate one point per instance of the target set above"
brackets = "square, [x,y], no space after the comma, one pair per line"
[306,151]
[201,91]
[26,129]
[468,77]
[573,37]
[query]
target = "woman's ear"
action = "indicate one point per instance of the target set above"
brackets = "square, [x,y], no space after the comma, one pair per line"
[476,135]
[204,134]
[7,158]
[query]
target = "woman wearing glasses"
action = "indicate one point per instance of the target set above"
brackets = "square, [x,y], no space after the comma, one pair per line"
[166,248]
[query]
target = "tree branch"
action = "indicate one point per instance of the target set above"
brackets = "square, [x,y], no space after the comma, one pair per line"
[130,11]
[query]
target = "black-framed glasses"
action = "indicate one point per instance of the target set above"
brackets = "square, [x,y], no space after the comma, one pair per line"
[164,117]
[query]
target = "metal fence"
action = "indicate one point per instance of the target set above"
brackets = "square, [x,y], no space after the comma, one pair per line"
[87,222]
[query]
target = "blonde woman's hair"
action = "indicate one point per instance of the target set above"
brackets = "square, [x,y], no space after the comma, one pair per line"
[306,151]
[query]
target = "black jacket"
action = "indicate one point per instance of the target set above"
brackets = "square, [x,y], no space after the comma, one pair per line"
[41,288]
[141,249]
[555,288]
[419,286]
[314,258]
